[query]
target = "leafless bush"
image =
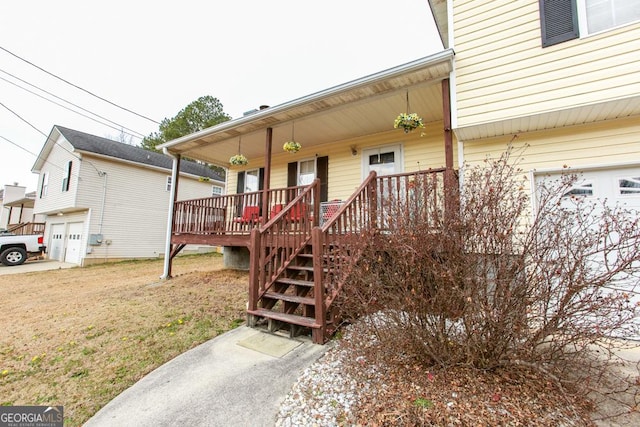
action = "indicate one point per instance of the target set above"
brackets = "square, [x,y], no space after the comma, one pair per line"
[500,283]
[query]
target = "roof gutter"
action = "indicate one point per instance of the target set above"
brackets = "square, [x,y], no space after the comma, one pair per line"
[443,56]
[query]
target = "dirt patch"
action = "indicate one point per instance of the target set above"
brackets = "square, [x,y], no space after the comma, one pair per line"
[81,336]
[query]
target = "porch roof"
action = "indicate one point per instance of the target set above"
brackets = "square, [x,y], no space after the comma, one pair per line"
[361,107]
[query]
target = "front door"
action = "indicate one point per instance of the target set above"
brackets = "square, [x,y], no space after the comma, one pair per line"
[384,160]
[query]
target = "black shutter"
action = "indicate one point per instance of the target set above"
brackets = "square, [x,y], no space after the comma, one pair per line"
[322,168]
[261,179]
[240,186]
[559,21]
[292,174]
[239,190]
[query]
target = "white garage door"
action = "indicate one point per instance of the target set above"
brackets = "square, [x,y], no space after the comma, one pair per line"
[613,187]
[56,244]
[616,186]
[74,243]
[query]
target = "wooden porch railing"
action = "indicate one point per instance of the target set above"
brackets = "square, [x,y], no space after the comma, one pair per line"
[281,229]
[234,214]
[278,242]
[26,228]
[379,205]
[335,243]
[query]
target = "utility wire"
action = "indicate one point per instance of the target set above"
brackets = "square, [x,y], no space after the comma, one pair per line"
[78,87]
[120,127]
[47,136]
[23,119]
[33,154]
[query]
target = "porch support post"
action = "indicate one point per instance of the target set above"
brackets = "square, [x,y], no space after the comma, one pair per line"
[168,260]
[450,186]
[267,175]
[318,335]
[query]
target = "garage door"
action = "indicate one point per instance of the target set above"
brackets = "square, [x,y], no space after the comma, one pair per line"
[56,244]
[612,187]
[615,186]
[74,243]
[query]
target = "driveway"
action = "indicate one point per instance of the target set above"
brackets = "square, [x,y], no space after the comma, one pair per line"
[36,265]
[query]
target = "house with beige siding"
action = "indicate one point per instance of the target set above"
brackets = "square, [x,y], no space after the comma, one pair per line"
[558,75]
[561,76]
[104,200]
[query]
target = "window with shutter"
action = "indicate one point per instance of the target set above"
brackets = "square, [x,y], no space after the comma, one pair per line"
[559,21]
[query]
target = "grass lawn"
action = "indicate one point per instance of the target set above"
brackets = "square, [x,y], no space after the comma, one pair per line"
[79,337]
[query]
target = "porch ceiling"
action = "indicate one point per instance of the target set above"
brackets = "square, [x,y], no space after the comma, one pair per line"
[361,107]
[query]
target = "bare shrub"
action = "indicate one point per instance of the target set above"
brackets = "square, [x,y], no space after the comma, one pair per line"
[498,283]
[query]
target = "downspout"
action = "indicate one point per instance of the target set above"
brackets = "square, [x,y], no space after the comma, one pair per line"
[172,198]
[104,199]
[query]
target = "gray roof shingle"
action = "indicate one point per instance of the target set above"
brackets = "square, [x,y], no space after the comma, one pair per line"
[108,147]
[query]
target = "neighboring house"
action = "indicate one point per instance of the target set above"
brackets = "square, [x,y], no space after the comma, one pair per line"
[104,200]
[561,76]
[16,209]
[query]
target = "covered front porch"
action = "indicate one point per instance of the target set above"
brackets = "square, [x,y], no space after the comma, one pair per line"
[291,211]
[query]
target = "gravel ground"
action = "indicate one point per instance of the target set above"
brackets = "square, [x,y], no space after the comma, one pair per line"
[326,395]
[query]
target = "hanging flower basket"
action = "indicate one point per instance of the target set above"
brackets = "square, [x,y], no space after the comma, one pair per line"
[238,160]
[291,146]
[408,122]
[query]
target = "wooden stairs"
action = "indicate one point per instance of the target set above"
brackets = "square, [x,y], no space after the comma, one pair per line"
[289,305]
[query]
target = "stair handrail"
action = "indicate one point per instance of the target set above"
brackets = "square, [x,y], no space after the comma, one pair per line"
[280,240]
[334,245]
[26,228]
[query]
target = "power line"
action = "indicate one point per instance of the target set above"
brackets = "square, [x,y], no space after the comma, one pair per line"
[23,119]
[32,153]
[120,127]
[46,136]
[78,87]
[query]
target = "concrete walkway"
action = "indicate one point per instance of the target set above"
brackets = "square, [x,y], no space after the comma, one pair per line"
[237,379]
[35,265]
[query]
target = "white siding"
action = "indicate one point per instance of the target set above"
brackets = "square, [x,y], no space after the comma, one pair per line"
[56,169]
[136,205]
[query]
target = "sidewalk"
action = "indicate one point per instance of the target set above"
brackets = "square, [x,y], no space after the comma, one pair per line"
[36,265]
[237,379]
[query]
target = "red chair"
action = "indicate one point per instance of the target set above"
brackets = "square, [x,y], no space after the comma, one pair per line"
[298,211]
[250,215]
[275,210]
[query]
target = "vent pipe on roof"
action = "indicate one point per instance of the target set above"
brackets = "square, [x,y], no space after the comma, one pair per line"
[255,110]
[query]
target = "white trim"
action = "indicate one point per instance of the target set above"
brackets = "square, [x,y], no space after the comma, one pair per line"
[413,66]
[587,167]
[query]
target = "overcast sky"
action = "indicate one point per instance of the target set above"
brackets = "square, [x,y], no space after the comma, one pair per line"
[154,58]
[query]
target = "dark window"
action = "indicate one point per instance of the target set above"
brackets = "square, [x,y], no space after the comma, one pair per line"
[67,179]
[559,21]
[44,185]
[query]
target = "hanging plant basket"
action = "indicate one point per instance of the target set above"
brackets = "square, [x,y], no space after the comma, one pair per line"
[238,160]
[408,122]
[291,146]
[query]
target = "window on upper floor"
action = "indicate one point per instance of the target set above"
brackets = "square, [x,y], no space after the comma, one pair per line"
[168,184]
[216,191]
[601,15]
[44,185]
[563,20]
[67,178]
